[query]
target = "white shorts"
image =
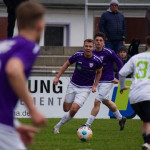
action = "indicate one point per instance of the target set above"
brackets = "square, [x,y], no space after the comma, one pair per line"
[76,95]
[104,91]
[10,139]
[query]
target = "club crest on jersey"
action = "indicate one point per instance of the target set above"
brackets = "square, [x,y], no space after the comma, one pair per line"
[101,57]
[91,65]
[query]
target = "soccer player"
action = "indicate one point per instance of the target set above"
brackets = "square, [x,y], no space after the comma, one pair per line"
[107,80]
[139,95]
[17,56]
[88,67]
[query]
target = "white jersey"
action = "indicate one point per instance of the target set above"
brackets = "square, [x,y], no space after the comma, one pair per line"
[139,65]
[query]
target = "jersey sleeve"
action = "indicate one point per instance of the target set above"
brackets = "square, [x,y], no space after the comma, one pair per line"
[27,55]
[99,65]
[74,57]
[118,62]
[128,68]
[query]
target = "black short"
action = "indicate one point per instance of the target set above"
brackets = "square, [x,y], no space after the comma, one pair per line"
[142,109]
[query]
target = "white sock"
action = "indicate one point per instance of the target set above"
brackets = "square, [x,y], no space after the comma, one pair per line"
[64,119]
[117,115]
[90,120]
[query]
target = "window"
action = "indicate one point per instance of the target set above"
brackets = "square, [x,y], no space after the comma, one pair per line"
[56,35]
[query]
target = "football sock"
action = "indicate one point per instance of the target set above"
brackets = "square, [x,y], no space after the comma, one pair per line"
[117,115]
[64,119]
[90,120]
[144,136]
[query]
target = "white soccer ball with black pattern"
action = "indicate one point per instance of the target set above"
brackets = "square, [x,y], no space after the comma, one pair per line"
[84,133]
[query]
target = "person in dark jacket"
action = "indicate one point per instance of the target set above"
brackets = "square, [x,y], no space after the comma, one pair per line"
[112,23]
[123,55]
[11,10]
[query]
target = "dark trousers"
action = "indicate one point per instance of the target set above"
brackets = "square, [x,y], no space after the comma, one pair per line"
[11,9]
[114,45]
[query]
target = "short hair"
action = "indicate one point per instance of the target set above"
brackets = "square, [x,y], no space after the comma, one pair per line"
[28,13]
[89,41]
[100,34]
[148,41]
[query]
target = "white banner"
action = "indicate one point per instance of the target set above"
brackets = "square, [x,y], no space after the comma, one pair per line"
[49,98]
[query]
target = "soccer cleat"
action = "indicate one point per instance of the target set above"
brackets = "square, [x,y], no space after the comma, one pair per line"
[122,123]
[87,125]
[56,130]
[146,146]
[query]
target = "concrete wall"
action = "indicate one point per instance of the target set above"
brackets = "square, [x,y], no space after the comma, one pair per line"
[75,20]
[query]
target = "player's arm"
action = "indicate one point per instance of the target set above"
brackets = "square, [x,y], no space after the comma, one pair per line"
[97,78]
[62,70]
[15,73]
[125,71]
[122,84]
[119,64]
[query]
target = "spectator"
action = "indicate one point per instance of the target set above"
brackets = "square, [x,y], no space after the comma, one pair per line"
[123,55]
[11,10]
[112,23]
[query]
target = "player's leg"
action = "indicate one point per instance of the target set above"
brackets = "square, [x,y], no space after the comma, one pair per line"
[146,135]
[80,98]
[96,108]
[112,106]
[74,109]
[142,109]
[66,106]
[68,116]
[69,99]
[64,119]
[94,112]
[104,96]
[77,96]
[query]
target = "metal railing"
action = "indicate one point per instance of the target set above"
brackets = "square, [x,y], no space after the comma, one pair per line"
[51,71]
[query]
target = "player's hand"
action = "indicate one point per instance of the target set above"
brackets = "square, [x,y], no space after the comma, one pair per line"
[115,81]
[93,89]
[125,88]
[26,133]
[56,80]
[37,117]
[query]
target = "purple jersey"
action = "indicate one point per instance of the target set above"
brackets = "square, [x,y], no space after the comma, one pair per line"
[85,69]
[26,51]
[108,56]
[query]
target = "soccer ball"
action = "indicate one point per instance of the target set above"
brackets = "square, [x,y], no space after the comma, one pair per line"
[84,133]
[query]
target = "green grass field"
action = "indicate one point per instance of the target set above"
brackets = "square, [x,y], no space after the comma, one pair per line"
[106,136]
